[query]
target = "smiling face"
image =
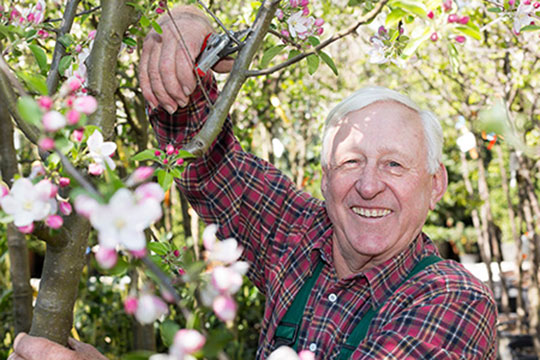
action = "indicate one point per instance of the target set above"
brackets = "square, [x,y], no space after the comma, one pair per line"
[376,184]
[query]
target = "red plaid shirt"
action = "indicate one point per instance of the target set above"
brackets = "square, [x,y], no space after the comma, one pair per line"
[441,313]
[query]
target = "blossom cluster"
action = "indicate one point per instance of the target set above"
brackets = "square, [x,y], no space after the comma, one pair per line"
[225,273]
[295,21]
[121,222]
[185,343]
[25,17]
[525,14]
[31,201]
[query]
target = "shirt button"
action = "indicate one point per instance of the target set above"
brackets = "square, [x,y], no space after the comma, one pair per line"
[312,347]
[332,297]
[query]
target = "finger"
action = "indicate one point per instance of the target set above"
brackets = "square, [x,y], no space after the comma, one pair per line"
[224,66]
[156,81]
[167,67]
[14,356]
[184,68]
[85,351]
[34,348]
[144,79]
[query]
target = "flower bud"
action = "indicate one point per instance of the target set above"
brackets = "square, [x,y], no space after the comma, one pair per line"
[106,257]
[279,14]
[73,117]
[95,169]
[452,18]
[188,341]
[45,102]
[463,20]
[53,121]
[293,3]
[170,149]
[85,205]
[92,35]
[460,39]
[305,11]
[150,190]
[85,104]
[285,33]
[179,162]
[434,37]
[46,143]
[138,254]
[26,229]
[224,307]
[319,22]
[130,305]
[54,221]
[141,174]
[77,135]
[430,14]
[65,207]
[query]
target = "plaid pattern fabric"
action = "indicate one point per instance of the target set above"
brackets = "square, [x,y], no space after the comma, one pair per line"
[443,312]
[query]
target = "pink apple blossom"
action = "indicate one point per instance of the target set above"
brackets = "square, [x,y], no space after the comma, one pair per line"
[285,33]
[85,104]
[209,236]
[77,135]
[187,341]
[53,121]
[138,254]
[150,191]
[42,34]
[27,202]
[319,22]
[280,14]
[26,229]
[434,37]
[96,169]
[305,11]
[85,205]
[92,34]
[226,280]
[224,307]
[141,174]
[447,5]
[106,257]
[523,16]
[64,181]
[73,84]
[65,207]
[100,151]
[169,149]
[299,24]
[54,221]
[73,117]
[226,251]
[293,3]
[4,190]
[452,18]
[78,48]
[37,170]
[319,31]
[130,305]
[46,143]
[150,308]
[45,102]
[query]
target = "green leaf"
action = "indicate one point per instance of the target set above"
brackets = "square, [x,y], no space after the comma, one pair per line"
[411,6]
[156,27]
[394,16]
[165,179]
[64,145]
[313,63]
[415,43]
[29,34]
[65,40]
[136,6]
[147,154]
[328,60]
[119,269]
[530,28]
[270,54]
[472,31]
[314,41]
[40,56]
[158,247]
[293,53]
[494,10]
[64,64]
[215,341]
[89,130]
[176,173]
[5,218]
[129,41]
[36,82]
[29,110]
[167,330]
[144,21]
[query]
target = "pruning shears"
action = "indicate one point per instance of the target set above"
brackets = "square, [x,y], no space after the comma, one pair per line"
[217,46]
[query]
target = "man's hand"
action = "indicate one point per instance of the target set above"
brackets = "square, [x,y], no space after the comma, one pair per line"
[28,347]
[166,68]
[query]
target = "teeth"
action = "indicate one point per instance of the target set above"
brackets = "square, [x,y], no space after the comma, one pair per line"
[371,213]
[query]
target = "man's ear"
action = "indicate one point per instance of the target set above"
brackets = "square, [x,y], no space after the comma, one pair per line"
[324,182]
[438,186]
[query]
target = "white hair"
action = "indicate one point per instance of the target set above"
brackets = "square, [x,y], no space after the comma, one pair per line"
[369,95]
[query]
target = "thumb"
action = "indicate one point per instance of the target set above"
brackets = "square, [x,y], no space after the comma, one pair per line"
[85,351]
[224,66]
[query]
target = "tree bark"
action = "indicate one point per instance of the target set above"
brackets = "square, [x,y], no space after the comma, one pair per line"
[18,251]
[53,315]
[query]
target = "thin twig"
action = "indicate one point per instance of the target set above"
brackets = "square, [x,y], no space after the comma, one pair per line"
[68,166]
[284,38]
[162,277]
[363,20]
[214,16]
[85,12]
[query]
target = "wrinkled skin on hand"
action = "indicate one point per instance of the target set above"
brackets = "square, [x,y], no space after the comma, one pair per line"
[28,347]
[166,67]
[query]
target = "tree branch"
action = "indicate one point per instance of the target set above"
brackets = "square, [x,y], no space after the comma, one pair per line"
[85,12]
[8,97]
[201,142]
[59,48]
[363,20]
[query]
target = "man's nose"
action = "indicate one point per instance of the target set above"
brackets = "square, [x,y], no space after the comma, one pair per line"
[369,183]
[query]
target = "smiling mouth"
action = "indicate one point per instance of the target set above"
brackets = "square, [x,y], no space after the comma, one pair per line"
[371,213]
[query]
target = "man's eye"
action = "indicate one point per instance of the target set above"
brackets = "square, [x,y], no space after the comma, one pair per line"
[394,164]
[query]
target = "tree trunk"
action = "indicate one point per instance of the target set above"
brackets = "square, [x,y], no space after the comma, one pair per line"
[489,231]
[18,251]
[485,254]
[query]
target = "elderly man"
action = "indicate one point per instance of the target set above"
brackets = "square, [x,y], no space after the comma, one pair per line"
[353,276]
